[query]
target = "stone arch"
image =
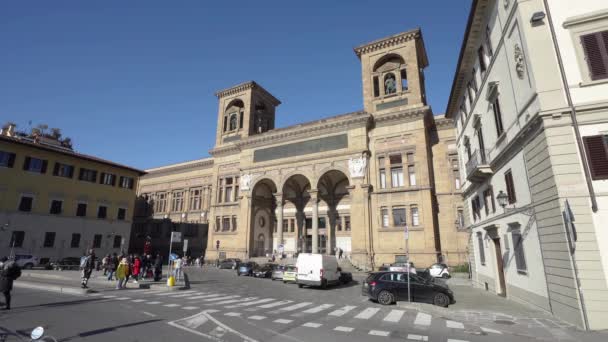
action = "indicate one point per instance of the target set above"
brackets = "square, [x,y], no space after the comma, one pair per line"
[388,62]
[325,170]
[262,216]
[332,188]
[235,103]
[261,178]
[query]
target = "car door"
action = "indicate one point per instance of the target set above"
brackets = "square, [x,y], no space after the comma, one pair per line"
[421,291]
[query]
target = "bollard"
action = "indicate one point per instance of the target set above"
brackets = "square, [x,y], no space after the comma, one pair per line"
[171,281]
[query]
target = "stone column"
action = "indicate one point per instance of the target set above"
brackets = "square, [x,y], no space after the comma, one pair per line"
[279,198]
[315,220]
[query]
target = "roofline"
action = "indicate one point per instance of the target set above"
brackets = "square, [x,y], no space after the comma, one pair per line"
[465,38]
[181,164]
[71,154]
[391,40]
[244,86]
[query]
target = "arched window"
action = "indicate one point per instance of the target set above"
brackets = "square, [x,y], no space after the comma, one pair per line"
[390,84]
[233,121]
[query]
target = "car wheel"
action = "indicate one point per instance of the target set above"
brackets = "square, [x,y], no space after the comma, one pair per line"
[324,284]
[28,266]
[445,276]
[385,298]
[284,282]
[300,285]
[441,299]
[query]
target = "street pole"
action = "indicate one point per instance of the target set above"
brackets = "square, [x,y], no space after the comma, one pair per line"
[169,257]
[407,253]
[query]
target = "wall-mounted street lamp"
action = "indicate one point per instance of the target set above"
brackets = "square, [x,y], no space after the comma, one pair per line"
[502,199]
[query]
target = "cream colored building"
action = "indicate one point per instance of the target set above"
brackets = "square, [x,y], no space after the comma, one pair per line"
[349,182]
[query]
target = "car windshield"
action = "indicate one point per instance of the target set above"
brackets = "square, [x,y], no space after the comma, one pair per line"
[290,268]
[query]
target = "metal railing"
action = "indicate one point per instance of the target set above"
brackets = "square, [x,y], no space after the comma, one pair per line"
[479,157]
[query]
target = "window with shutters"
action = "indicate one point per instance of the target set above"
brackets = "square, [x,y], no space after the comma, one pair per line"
[75,243]
[482,252]
[518,247]
[81,210]
[117,241]
[126,182]
[595,48]
[510,187]
[102,212]
[25,203]
[107,179]
[87,175]
[56,207]
[63,170]
[17,239]
[35,165]
[122,214]
[49,239]
[497,117]
[596,148]
[97,241]
[7,159]
[481,55]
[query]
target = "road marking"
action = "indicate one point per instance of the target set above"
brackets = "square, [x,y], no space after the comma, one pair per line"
[182,295]
[234,300]
[171,305]
[257,318]
[488,330]
[138,300]
[342,311]
[95,294]
[453,340]
[218,298]
[318,308]
[454,325]
[272,305]
[367,313]
[283,321]
[379,333]
[422,319]
[394,316]
[123,298]
[414,337]
[108,297]
[207,296]
[223,328]
[232,314]
[171,293]
[149,314]
[292,307]
[265,300]
[312,325]
[344,329]
[153,303]
[190,307]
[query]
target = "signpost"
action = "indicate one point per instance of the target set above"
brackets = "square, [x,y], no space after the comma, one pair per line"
[407,253]
[185,246]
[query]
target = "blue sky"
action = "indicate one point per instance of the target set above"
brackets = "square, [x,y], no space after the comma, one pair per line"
[133,81]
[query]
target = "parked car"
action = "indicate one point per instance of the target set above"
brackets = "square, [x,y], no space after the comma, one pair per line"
[317,270]
[26,261]
[389,287]
[277,272]
[230,264]
[246,268]
[290,273]
[402,267]
[263,271]
[68,263]
[439,270]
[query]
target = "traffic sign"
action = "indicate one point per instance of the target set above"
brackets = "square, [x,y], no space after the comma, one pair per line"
[185,245]
[176,237]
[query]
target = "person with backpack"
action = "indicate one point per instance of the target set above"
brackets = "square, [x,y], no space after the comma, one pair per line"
[9,272]
[112,265]
[87,264]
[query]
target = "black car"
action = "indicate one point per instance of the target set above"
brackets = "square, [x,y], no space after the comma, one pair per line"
[246,268]
[230,264]
[263,271]
[69,263]
[389,287]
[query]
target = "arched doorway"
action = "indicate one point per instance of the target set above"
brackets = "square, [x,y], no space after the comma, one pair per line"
[334,212]
[262,218]
[297,217]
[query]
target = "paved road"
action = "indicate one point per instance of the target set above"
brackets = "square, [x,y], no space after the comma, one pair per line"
[223,307]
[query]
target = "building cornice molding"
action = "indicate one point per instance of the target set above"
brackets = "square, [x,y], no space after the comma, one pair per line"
[387,42]
[444,123]
[239,88]
[402,115]
[166,170]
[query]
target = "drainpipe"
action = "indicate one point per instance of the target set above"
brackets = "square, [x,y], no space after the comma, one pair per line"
[577,133]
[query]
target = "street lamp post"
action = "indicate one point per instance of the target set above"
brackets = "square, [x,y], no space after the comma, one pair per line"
[407,254]
[502,199]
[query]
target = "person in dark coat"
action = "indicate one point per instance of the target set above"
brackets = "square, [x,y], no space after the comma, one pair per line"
[87,268]
[9,272]
[112,265]
[158,267]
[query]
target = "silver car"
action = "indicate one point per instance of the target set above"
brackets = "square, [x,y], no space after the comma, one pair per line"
[277,272]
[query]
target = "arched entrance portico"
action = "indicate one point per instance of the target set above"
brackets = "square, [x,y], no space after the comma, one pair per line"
[262,223]
[296,219]
[334,211]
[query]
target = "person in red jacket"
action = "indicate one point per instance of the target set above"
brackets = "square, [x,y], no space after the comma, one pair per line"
[136,268]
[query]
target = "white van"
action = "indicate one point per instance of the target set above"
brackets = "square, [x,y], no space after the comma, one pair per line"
[317,270]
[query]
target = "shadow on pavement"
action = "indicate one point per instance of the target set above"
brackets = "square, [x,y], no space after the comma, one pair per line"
[108,329]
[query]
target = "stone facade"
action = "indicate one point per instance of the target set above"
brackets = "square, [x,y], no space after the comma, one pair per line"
[349,182]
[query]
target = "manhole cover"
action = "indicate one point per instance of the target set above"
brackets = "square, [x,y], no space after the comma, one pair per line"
[502,321]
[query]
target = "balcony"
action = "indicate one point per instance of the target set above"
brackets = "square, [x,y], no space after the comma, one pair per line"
[478,167]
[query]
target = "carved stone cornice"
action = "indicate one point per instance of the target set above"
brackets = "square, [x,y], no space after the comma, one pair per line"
[408,114]
[444,123]
[387,42]
[171,169]
[239,88]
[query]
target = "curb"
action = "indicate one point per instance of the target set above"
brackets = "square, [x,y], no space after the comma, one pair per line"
[51,288]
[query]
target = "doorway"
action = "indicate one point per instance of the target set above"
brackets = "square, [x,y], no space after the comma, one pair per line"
[500,268]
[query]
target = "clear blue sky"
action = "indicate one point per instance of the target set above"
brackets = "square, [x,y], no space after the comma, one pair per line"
[133,81]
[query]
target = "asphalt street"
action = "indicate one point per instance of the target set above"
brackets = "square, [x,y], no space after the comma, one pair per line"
[223,307]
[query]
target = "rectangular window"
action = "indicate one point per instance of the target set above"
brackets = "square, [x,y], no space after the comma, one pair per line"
[596,148]
[376,87]
[595,47]
[308,223]
[322,223]
[217,224]
[102,212]
[160,205]
[474,81]
[226,224]
[228,197]
[81,210]
[497,117]
[460,218]
[399,219]
[457,179]
[107,179]
[292,227]
[75,243]
[411,170]
[518,247]
[347,223]
[415,216]
[482,254]
[177,201]
[385,218]
[241,121]
[410,158]
[63,170]
[7,159]
[87,175]
[404,83]
[25,204]
[397,177]
[97,241]
[285,225]
[195,199]
[489,41]
[49,239]
[471,91]
[17,238]
[34,165]
[126,182]
[56,206]
[382,173]
[117,241]
[481,55]
[338,223]
[122,213]
[510,187]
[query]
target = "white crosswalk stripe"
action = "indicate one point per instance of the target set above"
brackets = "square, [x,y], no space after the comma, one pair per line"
[190,307]
[207,296]
[170,293]
[318,308]
[292,307]
[234,301]
[257,318]
[171,305]
[367,313]
[414,337]
[312,325]
[453,340]
[379,333]
[488,330]
[95,294]
[423,319]
[218,298]
[138,300]
[232,314]
[394,316]
[108,297]
[454,325]
[282,321]
[344,329]
[265,300]
[183,295]
[153,303]
[275,304]
[342,311]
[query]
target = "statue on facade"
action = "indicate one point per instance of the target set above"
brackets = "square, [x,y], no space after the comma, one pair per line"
[245,182]
[390,85]
[357,167]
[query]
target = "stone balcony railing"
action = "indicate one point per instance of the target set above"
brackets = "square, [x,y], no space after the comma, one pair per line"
[478,167]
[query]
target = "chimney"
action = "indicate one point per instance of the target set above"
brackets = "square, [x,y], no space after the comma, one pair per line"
[8,130]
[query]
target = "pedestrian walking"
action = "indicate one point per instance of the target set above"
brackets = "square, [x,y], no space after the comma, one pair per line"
[112,265]
[104,264]
[136,268]
[130,268]
[121,274]
[87,264]
[9,272]
[177,268]
[158,267]
[340,251]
